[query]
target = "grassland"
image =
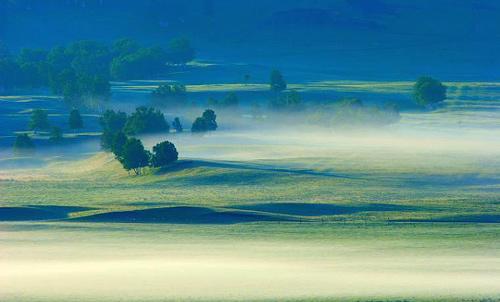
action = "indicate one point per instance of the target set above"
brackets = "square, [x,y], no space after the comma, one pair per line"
[408,212]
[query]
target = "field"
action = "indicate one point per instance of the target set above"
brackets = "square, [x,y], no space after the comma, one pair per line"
[405,212]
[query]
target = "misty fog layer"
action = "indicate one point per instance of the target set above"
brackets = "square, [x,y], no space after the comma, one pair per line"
[113,265]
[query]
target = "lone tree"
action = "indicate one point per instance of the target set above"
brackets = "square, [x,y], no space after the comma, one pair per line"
[134,156]
[24,145]
[39,120]
[206,122]
[277,82]
[428,91]
[210,117]
[176,124]
[164,153]
[75,119]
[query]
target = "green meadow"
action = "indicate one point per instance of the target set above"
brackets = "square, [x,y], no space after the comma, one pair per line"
[407,212]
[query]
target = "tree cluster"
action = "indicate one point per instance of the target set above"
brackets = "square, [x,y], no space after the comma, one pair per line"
[206,122]
[169,95]
[39,121]
[81,71]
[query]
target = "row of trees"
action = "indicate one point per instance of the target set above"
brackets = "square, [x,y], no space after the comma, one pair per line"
[82,70]
[130,152]
[39,121]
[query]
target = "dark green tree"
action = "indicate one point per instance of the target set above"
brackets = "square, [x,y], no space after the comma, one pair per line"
[210,117]
[118,144]
[164,153]
[23,145]
[176,124]
[134,156]
[199,125]
[146,120]
[206,122]
[113,121]
[277,82]
[427,91]
[75,119]
[39,120]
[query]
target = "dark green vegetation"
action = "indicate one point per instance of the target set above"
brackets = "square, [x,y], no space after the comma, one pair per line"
[81,71]
[39,120]
[75,119]
[429,91]
[169,95]
[164,153]
[206,122]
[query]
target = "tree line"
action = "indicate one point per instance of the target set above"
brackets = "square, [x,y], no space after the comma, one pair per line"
[81,71]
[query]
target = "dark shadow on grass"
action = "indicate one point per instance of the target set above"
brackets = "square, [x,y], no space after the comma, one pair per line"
[315,209]
[187,164]
[34,212]
[184,215]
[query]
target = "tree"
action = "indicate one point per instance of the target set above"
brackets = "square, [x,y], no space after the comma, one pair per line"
[176,124]
[164,153]
[118,144]
[23,145]
[199,125]
[56,135]
[428,91]
[206,122]
[277,82]
[146,120]
[180,51]
[170,95]
[124,46]
[210,117]
[113,121]
[134,156]
[39,120]
[142,63]
[75,119]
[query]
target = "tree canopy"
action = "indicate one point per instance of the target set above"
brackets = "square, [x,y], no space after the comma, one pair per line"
[146,120]
[134,156]
[180,51]
[206,122]
[164,153]
[428,91]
